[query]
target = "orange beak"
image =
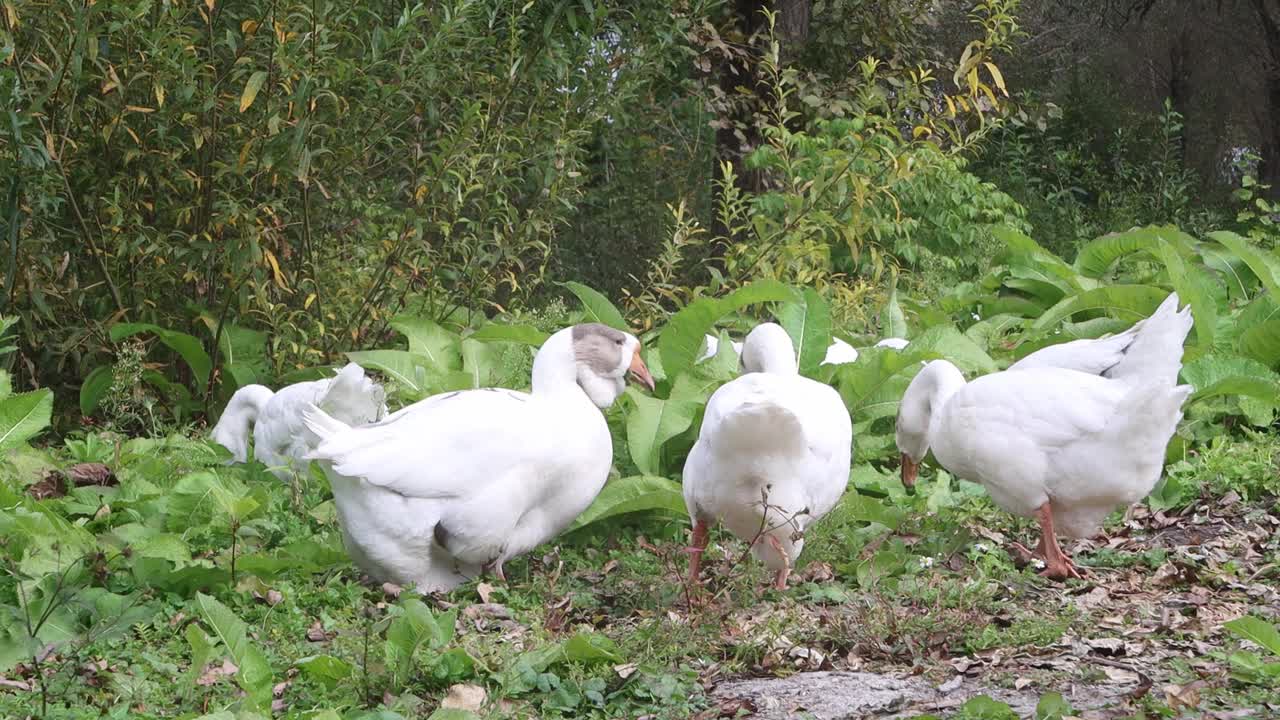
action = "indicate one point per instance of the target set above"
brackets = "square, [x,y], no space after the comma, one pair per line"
[909,469]
[640,372]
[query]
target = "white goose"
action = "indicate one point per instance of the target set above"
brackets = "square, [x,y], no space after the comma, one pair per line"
[276,417]
[460,482]
[1066,435]
[711,345]
[838,353]
[772,455]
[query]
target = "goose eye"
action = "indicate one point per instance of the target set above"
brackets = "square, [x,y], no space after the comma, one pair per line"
[618,342]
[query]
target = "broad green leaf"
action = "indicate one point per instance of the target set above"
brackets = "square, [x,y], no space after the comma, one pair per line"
[597,306]
[869,509]
[409,370]
[947,342]
[1264,265]
[168,546]
[241,350]
[414,627]
[1193,288]
[251,89]
[254,675]
[1128,302]
[1053,706]
[522,334]
[591,648]
[1260,341]
[983,707]
[652,421]
[207,497]
[44,541]
[325,669]
[94,388]
[1233,271]
[633,494]
[23,416]
[893,322]
[427,339]
[1026,252]
[991,331]
[187,346]
[1214,375]
[808,322]
[480,362]
[1258,631]
[681,340]
[1098,256]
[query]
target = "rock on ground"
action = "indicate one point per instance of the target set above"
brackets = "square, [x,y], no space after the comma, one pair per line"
[861,695]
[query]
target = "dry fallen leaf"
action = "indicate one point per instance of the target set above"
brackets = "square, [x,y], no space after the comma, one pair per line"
[485,591]
[91,474]
[213,673]
[1106,646]
[392,590]
[316,633]
[1183,696]
[1120,675]
[625,671]
[464,697]
[52,486]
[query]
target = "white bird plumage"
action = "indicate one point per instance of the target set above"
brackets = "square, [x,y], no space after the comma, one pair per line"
[279,440]
[1067,434]
[839,352]
[769,436]
[460,482]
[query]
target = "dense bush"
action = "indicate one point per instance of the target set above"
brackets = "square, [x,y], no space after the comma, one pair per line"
[301,167]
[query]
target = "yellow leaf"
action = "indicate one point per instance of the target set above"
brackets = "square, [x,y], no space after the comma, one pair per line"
[12,13]
[133,135]
[249,27]
[995,75]
[920,131]
[995,104]
[159,90]
[306,305]
[139,109]
[951,106]
[972,79]
[209,4]
[251,89]
[275,270]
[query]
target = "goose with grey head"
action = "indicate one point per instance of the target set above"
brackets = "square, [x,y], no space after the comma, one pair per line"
[460,482]
[772,456]
[1065,437]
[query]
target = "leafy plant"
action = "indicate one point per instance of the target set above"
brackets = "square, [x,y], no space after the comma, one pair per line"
[22,415]
[254,673]
[1247,666]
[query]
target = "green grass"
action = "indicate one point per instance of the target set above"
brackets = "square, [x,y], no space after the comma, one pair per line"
[595,625]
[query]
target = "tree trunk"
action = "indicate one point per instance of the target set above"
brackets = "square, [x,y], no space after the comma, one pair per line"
[1180,83]
[1269,17]
[739,133]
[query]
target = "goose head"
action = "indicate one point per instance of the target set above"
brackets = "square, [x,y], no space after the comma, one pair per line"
[595,357]
[767,348]
[920,407]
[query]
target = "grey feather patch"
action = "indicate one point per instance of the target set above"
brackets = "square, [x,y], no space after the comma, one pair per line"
[599,347]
